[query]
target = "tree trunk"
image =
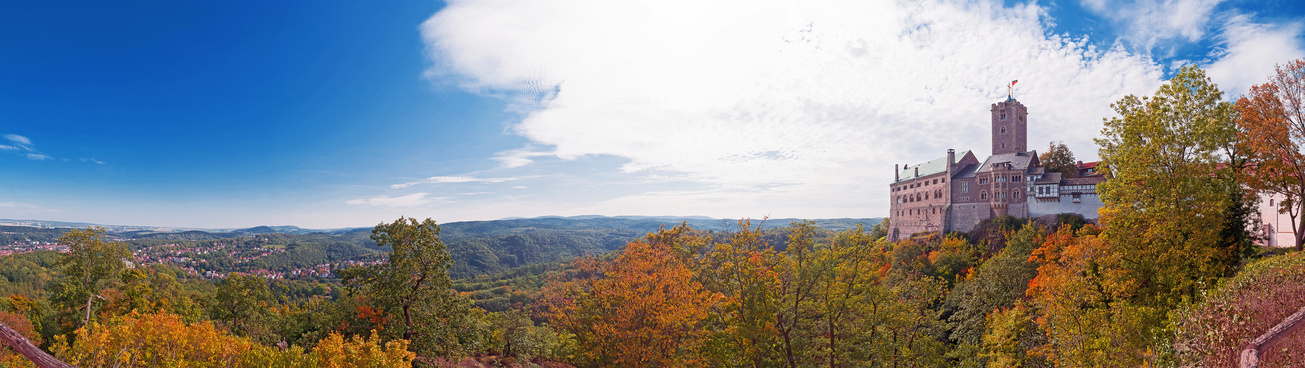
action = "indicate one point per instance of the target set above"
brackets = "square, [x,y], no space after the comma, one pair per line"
[87,321]
[407,323]
[24,347]
[1300,230]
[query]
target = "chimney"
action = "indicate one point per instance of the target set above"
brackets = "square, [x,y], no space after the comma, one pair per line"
[951,157]
[917,171]
[897,172]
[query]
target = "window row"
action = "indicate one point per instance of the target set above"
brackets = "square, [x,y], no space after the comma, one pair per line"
[918,196]
[919,184]
[918,211]
[1001,179]
[1014,194]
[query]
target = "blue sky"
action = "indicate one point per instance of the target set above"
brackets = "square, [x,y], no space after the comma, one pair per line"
[335,114]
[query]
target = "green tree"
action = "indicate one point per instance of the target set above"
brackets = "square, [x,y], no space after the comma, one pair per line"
[1172,163]
[997,284]
[412,291]
[90,263]
[244,303]
[1058,158]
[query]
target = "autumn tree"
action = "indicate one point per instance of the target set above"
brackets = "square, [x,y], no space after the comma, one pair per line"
[745,271]
[411,292]
[997,284]
[1167,235]
[1058,158]
[1272,122]
[642,309]
[90,263]
[1173,162]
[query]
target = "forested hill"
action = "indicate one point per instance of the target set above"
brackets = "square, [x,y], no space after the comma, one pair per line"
[477,247]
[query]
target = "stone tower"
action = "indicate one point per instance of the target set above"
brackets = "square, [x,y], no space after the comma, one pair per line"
[1009,127]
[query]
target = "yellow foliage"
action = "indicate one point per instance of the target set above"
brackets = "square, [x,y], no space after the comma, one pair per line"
[164,340]
[335,352]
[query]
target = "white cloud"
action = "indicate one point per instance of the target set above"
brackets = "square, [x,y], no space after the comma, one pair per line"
[451,179]
[1249,52]
[814,100]
[8,148]
[37,156]
[520,157]
[411,200]
[1151,23]
[21,140]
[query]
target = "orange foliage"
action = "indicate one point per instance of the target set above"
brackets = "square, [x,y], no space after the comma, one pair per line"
[641,309]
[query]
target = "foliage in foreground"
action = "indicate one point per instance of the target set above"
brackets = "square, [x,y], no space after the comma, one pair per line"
[1213,332]
[163,340]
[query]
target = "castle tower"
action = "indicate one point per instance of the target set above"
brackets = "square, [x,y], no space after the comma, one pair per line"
[1009,127]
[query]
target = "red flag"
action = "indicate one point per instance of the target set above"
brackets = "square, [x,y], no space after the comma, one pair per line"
[1012,83]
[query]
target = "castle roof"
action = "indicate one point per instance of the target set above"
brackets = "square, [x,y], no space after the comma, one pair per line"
[1018,161]
[931,167]
[966,171]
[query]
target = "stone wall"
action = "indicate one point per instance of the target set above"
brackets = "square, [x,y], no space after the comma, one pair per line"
[918,205]
[964,216]
[1087,206]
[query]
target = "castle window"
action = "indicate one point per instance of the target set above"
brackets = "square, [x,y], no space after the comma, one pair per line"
[935,181]
[1015,194]
[1003,146]
[1003,114]
[983,180]
[1001,179]
[1015,178]
[965,187]
[1003,130]
[983,195]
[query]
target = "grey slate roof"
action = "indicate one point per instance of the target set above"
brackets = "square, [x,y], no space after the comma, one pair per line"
[1049,178]
[1019,161]
[934,166]
[965,172]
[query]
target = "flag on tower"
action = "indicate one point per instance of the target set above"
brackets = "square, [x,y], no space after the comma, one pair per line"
[1012,83]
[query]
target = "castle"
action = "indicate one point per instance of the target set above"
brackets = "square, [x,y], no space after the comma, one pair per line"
[956,192]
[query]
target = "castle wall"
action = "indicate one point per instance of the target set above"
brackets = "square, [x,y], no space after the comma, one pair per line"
[1275,227]
[918,205]
[1087,205]
[964,216]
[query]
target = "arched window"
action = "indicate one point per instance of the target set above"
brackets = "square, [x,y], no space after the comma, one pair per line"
[1015,194]
[983,195]
[1003,129]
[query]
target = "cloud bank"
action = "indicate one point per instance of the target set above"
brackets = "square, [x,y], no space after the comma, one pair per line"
[800,108]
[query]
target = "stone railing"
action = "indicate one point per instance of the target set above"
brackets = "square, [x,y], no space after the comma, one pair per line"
[1251,355]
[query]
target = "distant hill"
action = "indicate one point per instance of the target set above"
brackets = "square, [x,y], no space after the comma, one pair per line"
[477,247]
